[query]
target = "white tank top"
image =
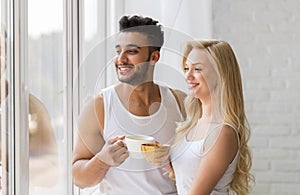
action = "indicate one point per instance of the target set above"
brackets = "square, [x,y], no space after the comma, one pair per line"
[186,157]
[137,176]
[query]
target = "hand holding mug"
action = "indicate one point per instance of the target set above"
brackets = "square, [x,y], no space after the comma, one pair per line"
[114,152]
[159,155]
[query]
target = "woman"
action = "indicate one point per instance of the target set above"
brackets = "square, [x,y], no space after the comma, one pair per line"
[211,155]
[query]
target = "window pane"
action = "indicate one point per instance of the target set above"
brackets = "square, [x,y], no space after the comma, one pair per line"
[5,135]
[91,73]
[47,146]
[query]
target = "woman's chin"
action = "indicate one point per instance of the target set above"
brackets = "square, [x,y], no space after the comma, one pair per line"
[191,92]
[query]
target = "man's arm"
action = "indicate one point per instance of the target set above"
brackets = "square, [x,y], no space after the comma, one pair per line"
[92,156]
[87,169]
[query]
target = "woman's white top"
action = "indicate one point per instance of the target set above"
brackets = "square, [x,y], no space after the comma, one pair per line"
[186,157]
[137,176]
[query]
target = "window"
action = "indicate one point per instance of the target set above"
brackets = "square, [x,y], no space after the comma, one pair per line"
[45,80]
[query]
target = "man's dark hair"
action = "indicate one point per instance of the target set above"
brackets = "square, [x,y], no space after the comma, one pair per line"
[144,25]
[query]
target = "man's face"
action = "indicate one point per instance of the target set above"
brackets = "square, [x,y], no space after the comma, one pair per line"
[132,59]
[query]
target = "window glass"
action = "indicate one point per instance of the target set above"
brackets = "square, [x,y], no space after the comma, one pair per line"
[91,75]
[47,144]
[4,158]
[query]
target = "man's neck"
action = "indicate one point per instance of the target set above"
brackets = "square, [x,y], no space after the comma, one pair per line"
[139,99]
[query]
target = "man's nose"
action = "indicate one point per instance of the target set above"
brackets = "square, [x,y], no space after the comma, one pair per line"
[122,58]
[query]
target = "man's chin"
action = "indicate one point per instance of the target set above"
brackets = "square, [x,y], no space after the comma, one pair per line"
[126,81]
[130,82]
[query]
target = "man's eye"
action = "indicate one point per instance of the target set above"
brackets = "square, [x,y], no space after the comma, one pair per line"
[131,51]
[198,69]
[118,51]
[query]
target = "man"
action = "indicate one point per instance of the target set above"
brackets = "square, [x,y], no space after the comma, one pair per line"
[136,105]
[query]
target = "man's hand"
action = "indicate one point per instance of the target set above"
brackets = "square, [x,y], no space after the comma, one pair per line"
[114,152]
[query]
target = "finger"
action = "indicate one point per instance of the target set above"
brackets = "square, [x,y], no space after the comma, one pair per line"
[121,156]
[118,138]
[114,148]
[121,152]
[120,143]
[124,156]
[113,140]
[156,142]
[168,167]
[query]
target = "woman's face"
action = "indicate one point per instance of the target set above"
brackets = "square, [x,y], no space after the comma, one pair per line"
[200,74]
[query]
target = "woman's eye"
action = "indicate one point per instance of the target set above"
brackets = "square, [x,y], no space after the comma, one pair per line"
[185,69]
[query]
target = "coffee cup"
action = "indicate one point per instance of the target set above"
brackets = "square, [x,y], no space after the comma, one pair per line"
[156,153]
[134,142]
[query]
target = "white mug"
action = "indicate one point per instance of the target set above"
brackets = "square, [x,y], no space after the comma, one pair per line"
[134,142]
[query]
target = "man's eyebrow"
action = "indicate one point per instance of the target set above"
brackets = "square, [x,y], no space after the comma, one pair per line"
[134,45]
[130,45]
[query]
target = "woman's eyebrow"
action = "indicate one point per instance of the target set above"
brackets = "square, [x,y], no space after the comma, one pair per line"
[196,63]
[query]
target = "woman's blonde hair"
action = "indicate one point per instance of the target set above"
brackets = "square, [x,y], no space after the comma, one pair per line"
[228,102]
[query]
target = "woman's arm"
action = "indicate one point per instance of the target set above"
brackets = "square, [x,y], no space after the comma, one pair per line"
[215,161]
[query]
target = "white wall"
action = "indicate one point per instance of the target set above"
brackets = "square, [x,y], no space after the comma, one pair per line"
[265,37]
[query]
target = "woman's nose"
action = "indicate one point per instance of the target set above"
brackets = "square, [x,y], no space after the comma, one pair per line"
[188,75]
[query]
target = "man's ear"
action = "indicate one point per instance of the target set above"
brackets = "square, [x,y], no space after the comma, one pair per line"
[155,55]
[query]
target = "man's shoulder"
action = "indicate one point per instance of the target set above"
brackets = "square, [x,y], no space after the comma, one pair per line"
[105,92]
[179,97]
[108,88]
[179,93]
[98,98]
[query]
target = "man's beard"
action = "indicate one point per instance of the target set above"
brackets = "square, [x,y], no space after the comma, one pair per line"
[138,76]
